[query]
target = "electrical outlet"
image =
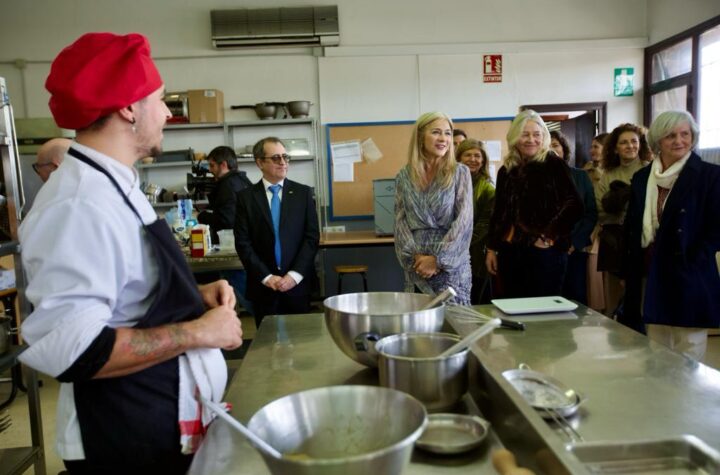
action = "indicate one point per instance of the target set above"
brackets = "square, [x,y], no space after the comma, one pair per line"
[334,229]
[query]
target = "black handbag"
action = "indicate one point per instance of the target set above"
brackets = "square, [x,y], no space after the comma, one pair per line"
[611,251]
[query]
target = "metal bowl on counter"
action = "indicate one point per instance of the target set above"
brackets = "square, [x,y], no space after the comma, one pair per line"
[343,430]
[357,321]
[409,362]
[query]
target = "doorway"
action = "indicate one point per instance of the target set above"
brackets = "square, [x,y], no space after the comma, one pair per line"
[579,122]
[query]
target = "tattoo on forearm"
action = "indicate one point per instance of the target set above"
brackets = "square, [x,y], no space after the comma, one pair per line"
[157,340]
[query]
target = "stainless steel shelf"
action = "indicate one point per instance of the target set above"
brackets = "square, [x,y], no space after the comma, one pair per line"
[270,122]
[18,459]
[218,125]
[165,165]
[9,247]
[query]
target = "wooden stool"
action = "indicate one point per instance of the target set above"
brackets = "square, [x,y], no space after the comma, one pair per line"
[358,269]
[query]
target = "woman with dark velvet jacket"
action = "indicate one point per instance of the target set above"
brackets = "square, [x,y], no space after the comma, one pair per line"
[536,207]
[673,233]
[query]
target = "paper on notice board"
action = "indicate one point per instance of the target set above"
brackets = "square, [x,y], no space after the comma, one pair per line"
[346,152]
[494,150]
[370,151]
[344,155]
[343,171]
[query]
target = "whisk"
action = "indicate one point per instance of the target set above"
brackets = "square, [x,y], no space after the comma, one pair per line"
[468,314]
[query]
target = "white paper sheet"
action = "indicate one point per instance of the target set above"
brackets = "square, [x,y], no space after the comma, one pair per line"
[346,152]
[494,150]
[343,171]
[371,152]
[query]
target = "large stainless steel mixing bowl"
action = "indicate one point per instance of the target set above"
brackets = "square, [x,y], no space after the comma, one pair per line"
[341,430]
[357,321]
[409,362]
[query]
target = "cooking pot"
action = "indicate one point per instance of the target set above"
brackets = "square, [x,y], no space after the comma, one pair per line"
[357,321]
[267,110]
[409,362]
[340,430]
[298,109]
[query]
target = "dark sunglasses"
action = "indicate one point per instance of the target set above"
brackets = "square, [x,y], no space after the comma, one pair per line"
[278,158]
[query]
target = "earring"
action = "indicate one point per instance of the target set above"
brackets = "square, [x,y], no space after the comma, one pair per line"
[134,129]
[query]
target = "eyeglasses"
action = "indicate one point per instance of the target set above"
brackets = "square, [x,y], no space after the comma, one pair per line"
[38,166]
[278,158]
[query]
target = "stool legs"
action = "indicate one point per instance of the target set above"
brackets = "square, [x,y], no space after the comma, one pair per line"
[341,275]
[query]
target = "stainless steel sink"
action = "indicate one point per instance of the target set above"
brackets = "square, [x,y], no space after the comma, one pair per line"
[682,455]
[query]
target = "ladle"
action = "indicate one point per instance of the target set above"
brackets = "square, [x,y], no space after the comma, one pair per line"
[441,297]
[220,411]
[471,337]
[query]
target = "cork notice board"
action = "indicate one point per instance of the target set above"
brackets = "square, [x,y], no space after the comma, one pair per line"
[354,199]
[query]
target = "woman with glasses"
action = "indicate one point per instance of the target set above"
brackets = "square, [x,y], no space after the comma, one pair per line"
[673,226]
[434,212]
[472,154]
[536,207]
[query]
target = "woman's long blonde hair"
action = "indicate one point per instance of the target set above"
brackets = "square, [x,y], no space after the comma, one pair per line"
[416,157]
[513,157]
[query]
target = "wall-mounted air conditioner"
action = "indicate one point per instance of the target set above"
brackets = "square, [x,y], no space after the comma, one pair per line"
[266,27]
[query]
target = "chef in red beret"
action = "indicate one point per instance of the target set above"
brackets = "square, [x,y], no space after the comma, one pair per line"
[118,318]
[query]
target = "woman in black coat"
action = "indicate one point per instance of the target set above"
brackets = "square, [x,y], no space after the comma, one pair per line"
[536,207]
[673,229]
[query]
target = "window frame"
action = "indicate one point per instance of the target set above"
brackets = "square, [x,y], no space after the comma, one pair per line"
[690,79]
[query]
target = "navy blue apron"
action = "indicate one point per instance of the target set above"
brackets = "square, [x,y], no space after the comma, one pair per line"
[132,421]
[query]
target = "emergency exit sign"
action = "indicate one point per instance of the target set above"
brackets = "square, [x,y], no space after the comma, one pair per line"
[492,68]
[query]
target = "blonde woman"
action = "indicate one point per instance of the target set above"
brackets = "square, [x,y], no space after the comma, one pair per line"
[434,212]
[536,207]
[472,153]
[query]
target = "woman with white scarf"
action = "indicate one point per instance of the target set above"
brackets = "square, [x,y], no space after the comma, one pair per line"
[673,229]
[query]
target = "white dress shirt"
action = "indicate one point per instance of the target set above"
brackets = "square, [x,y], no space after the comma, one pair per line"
[297,277]
[89,265]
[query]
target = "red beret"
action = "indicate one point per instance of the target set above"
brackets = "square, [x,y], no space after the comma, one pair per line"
[99,74]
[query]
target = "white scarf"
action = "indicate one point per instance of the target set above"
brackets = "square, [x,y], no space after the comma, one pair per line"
[664,179]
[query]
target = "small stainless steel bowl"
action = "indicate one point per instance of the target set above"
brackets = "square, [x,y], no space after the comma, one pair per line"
[409,362]
[453,433]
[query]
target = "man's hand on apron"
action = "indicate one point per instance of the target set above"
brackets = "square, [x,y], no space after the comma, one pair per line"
[219,327]
[218,293]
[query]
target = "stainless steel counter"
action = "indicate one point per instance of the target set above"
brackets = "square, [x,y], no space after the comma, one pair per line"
[636,389]
[289,354]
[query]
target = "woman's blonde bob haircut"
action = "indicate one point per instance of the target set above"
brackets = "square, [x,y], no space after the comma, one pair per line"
[664,124]
[472,144]
[417,158]
[513,137]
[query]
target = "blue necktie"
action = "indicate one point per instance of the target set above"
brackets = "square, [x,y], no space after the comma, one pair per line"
[275,212]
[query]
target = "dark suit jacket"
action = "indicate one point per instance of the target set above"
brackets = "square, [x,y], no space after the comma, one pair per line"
[222,201]
[580,235]
[683,286]
[255,241]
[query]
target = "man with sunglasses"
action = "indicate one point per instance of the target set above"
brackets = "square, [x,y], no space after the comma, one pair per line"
[50,156]
[276,236]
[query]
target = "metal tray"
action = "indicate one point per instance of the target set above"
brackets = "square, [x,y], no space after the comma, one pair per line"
[453,433]
[686,454]
[544,393]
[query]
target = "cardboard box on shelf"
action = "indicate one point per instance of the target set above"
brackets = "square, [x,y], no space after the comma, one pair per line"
[205,106]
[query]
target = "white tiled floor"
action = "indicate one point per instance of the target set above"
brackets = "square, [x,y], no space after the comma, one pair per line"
[19,433]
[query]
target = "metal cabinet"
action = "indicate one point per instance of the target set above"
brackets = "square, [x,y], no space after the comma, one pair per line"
[16,460]
[384,206]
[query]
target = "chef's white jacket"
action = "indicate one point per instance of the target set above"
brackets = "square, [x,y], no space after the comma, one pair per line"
[89,265]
